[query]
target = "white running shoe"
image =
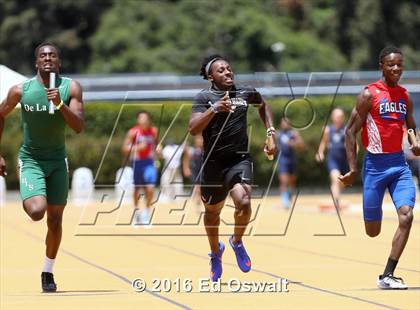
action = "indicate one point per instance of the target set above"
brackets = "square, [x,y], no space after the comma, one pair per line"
[146,219]
[390,282]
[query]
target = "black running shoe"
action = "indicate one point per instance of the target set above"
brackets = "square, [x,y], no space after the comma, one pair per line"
[47,281]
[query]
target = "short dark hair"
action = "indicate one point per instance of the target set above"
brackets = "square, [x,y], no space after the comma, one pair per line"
[47,44]
[388,50]
[206,61]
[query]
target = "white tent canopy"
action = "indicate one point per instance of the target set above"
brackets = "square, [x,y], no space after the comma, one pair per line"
[8,78]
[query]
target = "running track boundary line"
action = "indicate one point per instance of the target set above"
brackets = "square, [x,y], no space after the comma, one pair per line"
[81,259]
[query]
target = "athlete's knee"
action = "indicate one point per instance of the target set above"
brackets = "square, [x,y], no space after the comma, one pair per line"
[405,218]
[212,212]
[54,222]
[37,214]
[35,210]
[211,218]
[137,192]
[372,231]
[242,197]
[149,192]
[243,206]
[334,174]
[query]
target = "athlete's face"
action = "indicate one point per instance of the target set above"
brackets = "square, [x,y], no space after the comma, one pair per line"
[48,60]
[221,75]
[337,117]
[284,124]
[392,67]
[143,120]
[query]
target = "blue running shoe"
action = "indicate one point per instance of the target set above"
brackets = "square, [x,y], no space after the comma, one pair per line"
[242,258]
[216,263]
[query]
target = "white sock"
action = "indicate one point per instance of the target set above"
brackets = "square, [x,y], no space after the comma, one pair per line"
[137,213]
[48,265]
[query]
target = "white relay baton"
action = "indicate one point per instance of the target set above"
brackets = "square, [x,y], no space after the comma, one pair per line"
[51,107]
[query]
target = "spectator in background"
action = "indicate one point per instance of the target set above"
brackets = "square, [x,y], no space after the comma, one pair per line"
[171,182]
[333,139]
[289,140]
[192,166]
[140,145]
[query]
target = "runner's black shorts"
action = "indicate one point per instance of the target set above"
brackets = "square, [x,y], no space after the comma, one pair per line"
[220,175]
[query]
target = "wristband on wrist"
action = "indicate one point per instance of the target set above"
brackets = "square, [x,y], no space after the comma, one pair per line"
[60,105]
[214,109]
[271,129]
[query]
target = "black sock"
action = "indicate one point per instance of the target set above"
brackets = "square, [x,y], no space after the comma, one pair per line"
[390,267]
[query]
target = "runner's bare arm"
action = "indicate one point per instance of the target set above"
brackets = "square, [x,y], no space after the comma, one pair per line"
[411,124]
[354,125]
[12,99]
[74,113]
